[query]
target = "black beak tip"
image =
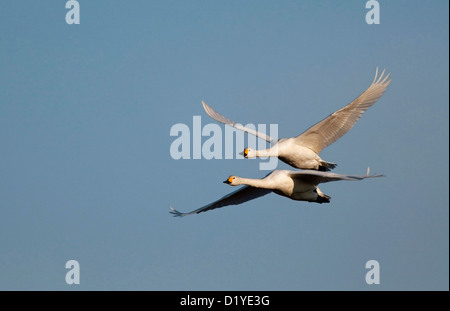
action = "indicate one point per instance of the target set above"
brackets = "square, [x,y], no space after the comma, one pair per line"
[226,181]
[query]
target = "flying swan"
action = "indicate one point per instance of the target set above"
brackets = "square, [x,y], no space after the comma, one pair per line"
[296,185]
[303,151]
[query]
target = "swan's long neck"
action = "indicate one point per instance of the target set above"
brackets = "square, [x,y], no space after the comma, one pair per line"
[271,152]
[257,183]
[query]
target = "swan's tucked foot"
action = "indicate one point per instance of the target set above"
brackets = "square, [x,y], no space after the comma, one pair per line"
[323,199]
[326,166]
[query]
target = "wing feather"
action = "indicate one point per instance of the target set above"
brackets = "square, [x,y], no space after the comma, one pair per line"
[243,194]
[319,177]
[330,129]
[220,118]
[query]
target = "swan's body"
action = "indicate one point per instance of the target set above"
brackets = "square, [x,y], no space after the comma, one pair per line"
[296,185]
[292,153]
[303,151]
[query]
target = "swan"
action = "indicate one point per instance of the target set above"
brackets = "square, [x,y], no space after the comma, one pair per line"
[303,151]
[296,185]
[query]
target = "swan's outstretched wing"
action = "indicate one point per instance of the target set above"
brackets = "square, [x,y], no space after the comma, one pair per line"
[333,127]
[319,177]
[220,118]
[239,196]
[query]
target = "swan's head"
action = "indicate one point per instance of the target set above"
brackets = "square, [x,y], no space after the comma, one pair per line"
[232,181]
[248,153]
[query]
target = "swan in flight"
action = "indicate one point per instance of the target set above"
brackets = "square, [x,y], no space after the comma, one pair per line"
[303,151]
[296,185]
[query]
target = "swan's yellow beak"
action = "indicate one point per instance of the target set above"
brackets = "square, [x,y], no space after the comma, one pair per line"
[245,152]
[229,180]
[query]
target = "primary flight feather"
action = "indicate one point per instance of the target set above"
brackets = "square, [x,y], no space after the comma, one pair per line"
[296,185]
[303,151]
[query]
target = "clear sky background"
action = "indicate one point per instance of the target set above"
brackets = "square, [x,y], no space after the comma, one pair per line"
[86,172]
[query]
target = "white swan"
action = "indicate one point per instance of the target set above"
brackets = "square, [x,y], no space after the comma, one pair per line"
[297,185]
[303,151]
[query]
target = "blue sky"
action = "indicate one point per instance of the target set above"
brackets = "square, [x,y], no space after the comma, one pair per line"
[86,172]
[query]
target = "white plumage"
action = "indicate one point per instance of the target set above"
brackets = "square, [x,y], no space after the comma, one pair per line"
[296,185]
[303,151]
